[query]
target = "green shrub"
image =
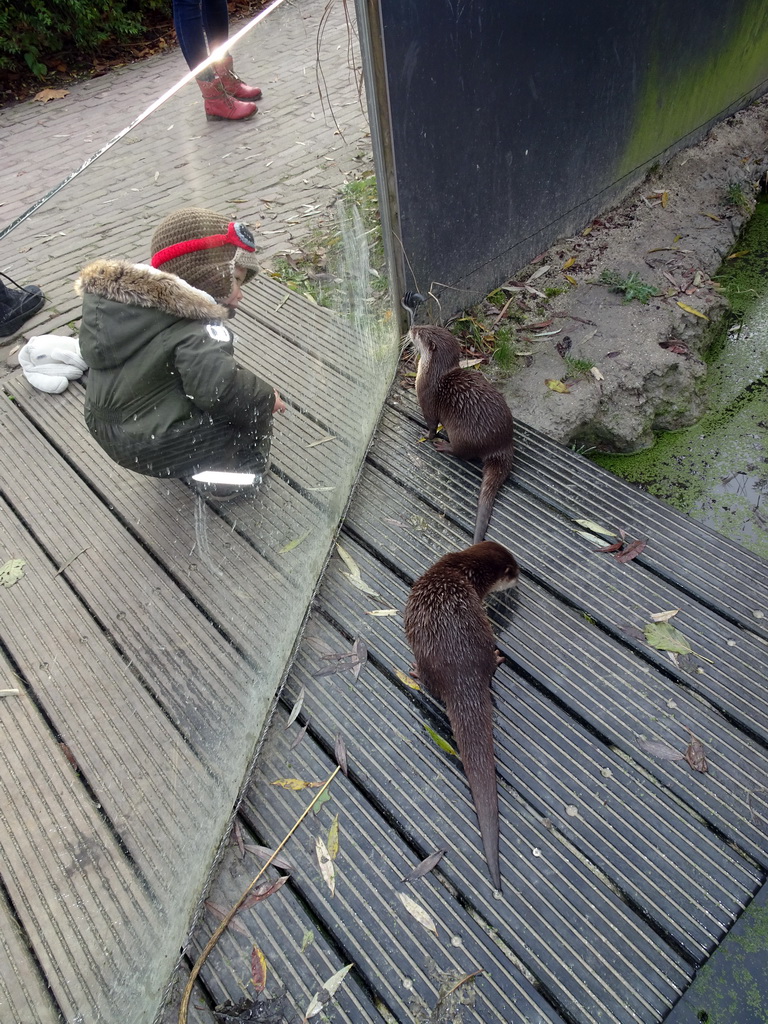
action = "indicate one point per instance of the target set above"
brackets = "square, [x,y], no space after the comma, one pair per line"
[31,32]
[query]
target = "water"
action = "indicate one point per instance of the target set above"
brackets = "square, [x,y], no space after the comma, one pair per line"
[717,470]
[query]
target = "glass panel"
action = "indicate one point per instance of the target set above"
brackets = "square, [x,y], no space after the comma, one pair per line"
[168,619]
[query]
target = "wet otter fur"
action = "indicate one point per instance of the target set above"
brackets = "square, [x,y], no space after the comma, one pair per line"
[475,415]
[451,637]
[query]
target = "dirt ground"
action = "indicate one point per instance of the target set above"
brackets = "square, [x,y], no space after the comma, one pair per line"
[673,232]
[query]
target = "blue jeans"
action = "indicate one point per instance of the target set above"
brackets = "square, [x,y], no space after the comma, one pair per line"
[201,26]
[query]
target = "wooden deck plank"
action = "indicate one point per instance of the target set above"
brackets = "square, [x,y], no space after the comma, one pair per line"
[83,907]
[603,685]
[610,593]
[681,876]
[154,791]
[394,955]
[299,955]
[682,550]
[191,669]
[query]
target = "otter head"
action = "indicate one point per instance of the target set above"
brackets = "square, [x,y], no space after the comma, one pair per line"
[435,345]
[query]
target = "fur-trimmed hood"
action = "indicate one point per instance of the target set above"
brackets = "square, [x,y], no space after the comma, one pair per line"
[127,306]
[137,284]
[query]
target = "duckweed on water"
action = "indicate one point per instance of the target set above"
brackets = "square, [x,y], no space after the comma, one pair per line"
[717,470]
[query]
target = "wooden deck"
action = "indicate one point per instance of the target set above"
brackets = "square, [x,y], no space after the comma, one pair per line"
[147,652]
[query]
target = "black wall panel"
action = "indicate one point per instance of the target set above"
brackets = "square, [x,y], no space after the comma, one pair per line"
[505,124]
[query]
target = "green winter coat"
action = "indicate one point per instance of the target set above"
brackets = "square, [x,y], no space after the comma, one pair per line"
[164,394]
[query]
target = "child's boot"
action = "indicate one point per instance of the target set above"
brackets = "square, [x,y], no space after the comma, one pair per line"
[233,84]
[220,105]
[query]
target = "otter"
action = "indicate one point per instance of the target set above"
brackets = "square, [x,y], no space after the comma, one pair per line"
[475,415]
[451,637]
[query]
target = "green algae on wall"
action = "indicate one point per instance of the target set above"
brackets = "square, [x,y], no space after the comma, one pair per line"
[679,96]
[717,469]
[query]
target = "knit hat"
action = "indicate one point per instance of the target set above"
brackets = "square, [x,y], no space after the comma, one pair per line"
[210,267]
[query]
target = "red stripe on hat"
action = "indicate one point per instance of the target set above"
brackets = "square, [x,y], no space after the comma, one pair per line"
[192,245]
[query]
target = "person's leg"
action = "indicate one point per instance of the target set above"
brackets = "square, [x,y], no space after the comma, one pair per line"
[215,22]
[188,22]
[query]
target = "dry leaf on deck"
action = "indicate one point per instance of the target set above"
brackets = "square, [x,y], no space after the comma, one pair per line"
[616,546]
[221,912]
[264,853]
[354,575]
[325,863]
[12,571]
[695,755]
[664,637]
[383,612]
[296,784]
[322,799]
[360,656]
[631,551]
[407,680]
[300,735]
[594,527]
[426,865]
[340,751]
[333,838]
[438,739]
[664,616]
[294,543]
[327,992]
[263,893]
[296,708]
[418,912]
[664,751]
[258,969]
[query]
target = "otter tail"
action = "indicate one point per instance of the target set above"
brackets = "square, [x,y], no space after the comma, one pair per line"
[495,471]
[470,712]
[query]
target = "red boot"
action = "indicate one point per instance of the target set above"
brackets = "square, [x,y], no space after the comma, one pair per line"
[220,105]
[234,85]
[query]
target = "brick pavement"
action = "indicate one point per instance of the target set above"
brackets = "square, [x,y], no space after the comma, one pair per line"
[280,171]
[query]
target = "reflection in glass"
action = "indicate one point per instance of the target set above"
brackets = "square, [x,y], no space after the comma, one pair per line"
[171,617]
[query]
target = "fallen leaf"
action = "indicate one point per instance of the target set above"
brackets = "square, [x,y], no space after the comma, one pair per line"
[12,571]
[426,865]
[568,263]
[466,363]
[264,853]
[417,912]
[221,912]
[594,527]
[664,199]
[300,735]
[263,893]
[296,708]
[664,751]
[665,637]
[382,612]
[557,385]
[631,551]
[664,616]
[538,273]
[407,680]
[438,739]
[596,373]
[325,863]
[340,750]
[617,546]
[323,440]
[711,216]
[327,992]
[46,95]
[307,939]
[695,754]
[258,969]
[294,543]
[354,575]
[296,784]
[322,799]
[690,309]
[737,255]
[563,347]
[360,656]
[333,839]
[571,280]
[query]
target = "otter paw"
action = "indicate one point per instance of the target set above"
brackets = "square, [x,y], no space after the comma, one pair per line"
[498,656]
[444,447]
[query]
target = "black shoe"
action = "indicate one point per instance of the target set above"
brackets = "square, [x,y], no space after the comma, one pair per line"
[18,308]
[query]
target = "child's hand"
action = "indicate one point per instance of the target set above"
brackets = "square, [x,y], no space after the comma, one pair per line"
[279,404]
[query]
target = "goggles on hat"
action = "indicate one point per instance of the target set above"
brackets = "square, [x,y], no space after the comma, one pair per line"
[237,234]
